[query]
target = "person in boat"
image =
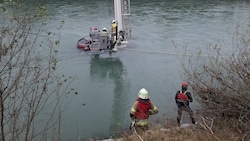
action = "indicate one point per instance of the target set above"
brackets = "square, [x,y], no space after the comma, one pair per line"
[140,111]
[95,29]
[113,32]
[104,31]
[105,37]
[113,29]
[87,46]
[121,35]
[182,99]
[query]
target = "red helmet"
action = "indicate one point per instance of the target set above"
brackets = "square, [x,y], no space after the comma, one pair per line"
[184,84]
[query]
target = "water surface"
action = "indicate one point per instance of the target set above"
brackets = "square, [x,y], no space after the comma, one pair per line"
[108,85]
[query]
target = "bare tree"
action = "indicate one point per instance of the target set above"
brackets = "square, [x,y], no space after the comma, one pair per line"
[30,92]
[221,80]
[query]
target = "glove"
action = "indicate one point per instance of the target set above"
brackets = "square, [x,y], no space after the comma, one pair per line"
[151,112]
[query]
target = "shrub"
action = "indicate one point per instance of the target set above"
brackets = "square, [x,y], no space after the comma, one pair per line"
[221,81]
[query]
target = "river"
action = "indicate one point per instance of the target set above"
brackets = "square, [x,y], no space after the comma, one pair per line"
[107,85]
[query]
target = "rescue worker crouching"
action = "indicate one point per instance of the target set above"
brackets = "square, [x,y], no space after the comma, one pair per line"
[140,111]
[182,99]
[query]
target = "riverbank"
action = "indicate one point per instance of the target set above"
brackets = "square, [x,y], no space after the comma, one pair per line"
[155,130]
[206,129]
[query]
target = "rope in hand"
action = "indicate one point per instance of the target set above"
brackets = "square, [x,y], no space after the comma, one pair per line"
[133,125]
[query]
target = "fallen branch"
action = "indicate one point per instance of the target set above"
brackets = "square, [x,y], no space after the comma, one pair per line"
[205,125]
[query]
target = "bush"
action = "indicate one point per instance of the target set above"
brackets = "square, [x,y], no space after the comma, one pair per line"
[221,81]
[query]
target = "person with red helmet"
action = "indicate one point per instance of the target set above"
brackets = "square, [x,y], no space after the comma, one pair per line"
[182,99]
[140,111]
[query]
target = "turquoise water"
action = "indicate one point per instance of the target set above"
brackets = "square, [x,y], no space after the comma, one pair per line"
[108,85]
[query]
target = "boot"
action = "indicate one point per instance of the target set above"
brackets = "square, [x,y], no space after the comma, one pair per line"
[192,119]
[178,121]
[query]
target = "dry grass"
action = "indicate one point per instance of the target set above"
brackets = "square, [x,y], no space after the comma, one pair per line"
[223,130]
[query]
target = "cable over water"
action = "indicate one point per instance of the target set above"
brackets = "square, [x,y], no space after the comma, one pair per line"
[168,52]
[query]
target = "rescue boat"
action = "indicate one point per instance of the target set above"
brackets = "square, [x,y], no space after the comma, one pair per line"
[98,42]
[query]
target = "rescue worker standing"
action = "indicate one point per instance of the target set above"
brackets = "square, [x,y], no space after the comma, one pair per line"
[182,99]
[113,32]
[104,31]
[140,111]
[113,29]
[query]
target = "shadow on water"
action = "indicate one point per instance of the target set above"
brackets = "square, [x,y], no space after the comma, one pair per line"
[106,67]
[112,72]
